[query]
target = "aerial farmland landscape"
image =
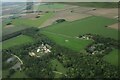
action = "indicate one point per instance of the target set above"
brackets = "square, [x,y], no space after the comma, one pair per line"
[60,40]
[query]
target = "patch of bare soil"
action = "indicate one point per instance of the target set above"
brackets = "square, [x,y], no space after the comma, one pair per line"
[8,26]
[55,9]
[82,9]
[29,15]
[106,12]
[114,26]
[68,15]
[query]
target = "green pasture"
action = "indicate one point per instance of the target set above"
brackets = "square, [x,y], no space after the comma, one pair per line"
[67,41]
[32,23]
[51,6]
[19,40]
[93,24]
[112,57]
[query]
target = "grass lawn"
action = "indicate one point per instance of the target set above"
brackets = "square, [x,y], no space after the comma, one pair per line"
[93,24]
[59,68]
[19,74]
[67,41]
[19,40]
[51,6]
[112,57]
[32,23]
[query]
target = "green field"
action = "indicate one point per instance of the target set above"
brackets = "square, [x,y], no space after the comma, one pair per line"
[59,68]
[32,23]
[93,24]
[51,6]
[19,40]
[70,30]
[72,43]
[112,57]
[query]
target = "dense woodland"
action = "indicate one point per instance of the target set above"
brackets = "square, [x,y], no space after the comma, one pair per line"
[79,65]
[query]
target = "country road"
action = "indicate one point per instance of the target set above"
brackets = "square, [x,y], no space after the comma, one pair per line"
[18,58]
[59,73]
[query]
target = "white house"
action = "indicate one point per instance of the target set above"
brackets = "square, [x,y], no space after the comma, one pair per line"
[38,50]
[31,53]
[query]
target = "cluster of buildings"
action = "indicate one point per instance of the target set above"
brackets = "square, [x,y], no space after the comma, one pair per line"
[86,37]
[42,49]
[96,49]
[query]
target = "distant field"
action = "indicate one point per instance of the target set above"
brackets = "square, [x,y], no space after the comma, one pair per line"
[96,4]
[59,68]
[112,57]
[51,6]
[21,24]
[19,40]
[32,23]
[93,24]
[70,42]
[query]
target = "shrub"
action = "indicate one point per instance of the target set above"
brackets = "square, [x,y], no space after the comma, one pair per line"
[9,23]
[60,20]
[37,16]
